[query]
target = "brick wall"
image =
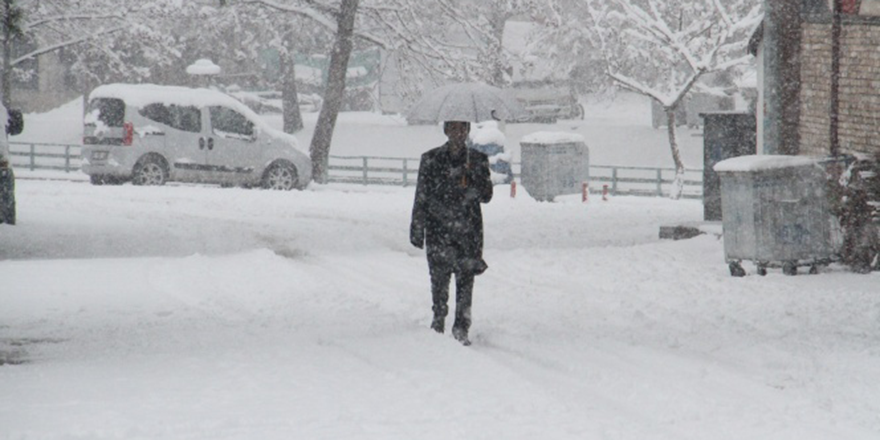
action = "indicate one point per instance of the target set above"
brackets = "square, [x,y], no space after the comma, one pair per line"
[859,127]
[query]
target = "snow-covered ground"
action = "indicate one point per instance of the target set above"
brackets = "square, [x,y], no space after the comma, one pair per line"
[201,312]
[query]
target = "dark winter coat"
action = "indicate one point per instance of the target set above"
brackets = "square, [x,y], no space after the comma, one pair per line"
[446,212]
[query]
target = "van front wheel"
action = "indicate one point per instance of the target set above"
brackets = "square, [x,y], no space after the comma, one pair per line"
[280,176]
[149,171]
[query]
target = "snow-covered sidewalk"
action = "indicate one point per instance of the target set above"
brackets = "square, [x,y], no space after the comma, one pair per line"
[202,312]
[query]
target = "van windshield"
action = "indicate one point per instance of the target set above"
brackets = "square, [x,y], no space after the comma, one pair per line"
[109,111]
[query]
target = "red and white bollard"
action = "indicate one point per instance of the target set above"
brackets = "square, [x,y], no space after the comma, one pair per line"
[585,192]
[604,193]
[513,189]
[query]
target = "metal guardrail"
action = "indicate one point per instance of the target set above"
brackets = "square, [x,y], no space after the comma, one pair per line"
[398,171]
[45,156]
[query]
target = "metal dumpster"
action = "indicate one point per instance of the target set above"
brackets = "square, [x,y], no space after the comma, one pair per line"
[554,164]
[775,212]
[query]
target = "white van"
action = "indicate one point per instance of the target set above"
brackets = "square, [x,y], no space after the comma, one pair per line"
[151,134]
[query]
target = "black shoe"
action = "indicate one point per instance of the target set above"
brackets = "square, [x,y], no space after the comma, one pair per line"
[438,323]
[461,335]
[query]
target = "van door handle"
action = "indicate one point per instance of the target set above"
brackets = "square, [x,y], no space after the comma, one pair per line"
[210,143]
[201,143]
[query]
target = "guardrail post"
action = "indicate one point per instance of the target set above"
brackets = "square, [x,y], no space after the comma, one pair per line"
[33,157]
[67,159]
[366,165]
[614,181]
[405,182]
[659,182]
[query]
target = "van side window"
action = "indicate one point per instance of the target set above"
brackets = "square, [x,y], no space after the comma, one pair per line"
[174,116]
[109,111]
[187,118]
[157,112]
[230,123]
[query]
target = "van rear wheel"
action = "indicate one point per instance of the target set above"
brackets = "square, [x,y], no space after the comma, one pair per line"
[149,171]
[280,176]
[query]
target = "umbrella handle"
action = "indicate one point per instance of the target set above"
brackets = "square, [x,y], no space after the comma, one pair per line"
[494,116]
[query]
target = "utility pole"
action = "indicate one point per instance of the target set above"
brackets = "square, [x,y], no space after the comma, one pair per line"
[782,47]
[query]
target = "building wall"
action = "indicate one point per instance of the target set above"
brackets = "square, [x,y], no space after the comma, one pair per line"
[859,88]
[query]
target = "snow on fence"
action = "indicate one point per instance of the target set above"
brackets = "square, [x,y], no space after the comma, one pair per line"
[398,171]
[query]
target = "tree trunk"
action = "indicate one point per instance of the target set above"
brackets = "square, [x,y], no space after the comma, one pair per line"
[291,114]
[678,182]
[6,80]
[333,94]
[496,58]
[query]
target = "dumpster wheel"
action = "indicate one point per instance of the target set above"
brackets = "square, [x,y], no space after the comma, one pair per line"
[736,269]
[790,268]
[762,268]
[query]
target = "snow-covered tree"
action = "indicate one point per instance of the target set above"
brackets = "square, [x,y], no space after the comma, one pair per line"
[662,48]
[340,18]
[416,32]
[247,39]
[103,39]
[482,24]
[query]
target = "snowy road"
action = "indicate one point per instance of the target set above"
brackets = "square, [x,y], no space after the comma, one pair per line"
[201,312]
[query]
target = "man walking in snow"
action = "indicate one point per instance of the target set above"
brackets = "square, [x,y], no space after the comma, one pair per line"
[453,181]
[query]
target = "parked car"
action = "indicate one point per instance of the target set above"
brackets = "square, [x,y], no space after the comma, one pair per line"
[14,126]
[488,139]
[150,134]
[547,102]
[271,101]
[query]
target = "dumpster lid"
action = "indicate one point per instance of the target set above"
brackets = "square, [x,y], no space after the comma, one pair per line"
[763,162]
[552,137]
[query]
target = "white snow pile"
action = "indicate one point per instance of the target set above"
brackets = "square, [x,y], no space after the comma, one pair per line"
[203,66]
[487,132]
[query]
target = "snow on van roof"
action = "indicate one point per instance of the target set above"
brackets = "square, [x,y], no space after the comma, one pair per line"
[141,95]
[552,137]
[763,162]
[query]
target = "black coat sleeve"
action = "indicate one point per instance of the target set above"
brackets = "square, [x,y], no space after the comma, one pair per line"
[420,207]
[481,188]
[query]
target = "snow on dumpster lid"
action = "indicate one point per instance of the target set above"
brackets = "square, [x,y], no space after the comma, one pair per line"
[763,162]
[552,137]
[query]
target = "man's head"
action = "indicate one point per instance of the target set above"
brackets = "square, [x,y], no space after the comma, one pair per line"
[457,131]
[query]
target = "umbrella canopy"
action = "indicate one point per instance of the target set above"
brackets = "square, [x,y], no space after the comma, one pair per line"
[472,102]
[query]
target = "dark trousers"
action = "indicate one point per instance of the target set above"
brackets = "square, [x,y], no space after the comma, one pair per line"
[442,264]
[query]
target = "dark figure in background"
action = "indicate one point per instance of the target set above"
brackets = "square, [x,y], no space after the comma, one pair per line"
[453,181]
